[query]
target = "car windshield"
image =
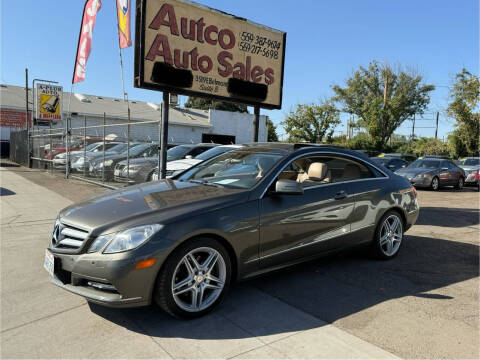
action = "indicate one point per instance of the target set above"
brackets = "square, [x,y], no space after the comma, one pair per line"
[136,150]
[213,152]
[235,169]
[381,161]
[178,152]
[92,146]
[119,148]
[424,164]
[470,162]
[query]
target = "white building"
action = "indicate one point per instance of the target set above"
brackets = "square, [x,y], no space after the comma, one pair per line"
[185,125]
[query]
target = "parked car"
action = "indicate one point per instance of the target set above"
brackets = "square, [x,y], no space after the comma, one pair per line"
[392,163]
[407,157]
[178,166]
[60,160]
[181,242]
[74,145]
[471,166]
[433,172]
[81,161]
[99,168]
[142,169]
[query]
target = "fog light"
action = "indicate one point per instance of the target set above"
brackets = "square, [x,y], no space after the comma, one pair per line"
[143,264]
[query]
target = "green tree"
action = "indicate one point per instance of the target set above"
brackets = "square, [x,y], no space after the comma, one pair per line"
[311,122]
[456,147]
[466,97]
[271,131]
[206,104]
[383,98]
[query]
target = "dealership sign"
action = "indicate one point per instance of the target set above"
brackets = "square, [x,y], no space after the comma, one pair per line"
[190,49]
[48,102]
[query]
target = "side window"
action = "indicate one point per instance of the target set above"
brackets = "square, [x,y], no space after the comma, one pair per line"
[444,164]
[314,170]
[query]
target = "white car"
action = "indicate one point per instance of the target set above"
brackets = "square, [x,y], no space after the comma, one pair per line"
[60,160]
[174,167]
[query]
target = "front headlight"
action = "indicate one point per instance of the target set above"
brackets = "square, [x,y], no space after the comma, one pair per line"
[424,175]
[105,164]
[124,240]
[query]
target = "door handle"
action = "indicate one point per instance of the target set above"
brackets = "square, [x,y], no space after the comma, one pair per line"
[340,195]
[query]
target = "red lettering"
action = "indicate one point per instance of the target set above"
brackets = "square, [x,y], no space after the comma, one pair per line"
[160,40]
[222,60]
[240,72]
[160,19]
[257,73]
[176,59]
[208,34]
[221,39]
[201,64]
[200,25]
[269,79]
[194,56]
[183,24]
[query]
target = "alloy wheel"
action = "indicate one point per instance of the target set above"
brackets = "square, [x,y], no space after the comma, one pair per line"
[391,234]
[198,279]
[435,183]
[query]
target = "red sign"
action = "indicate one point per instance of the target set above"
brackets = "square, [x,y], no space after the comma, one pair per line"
[85,39]
[13,118]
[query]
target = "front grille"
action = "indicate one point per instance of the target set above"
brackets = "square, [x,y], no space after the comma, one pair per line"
[68,237]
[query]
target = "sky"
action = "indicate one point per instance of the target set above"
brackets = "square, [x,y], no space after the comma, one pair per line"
[326,42]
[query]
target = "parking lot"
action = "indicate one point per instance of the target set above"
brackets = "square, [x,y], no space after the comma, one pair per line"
[422,304]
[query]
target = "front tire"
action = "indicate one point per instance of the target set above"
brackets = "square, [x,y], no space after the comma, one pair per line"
[435,184]
[194,279]
[388,236]
[460,184]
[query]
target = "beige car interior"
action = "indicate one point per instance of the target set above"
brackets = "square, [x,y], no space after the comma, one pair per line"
[311,173]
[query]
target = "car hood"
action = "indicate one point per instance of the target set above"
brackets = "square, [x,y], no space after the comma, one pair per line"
[157,202]
[470,167]
[182,164]
[410,173]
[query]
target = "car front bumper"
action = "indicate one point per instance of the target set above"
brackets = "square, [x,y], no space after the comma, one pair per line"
[472,180]
[421,182]
[86,274]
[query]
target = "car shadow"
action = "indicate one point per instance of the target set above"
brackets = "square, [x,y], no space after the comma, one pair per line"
[305,296]
[448,217]
[6,192]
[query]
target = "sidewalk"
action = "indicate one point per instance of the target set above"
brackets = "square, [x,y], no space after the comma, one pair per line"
[39,320]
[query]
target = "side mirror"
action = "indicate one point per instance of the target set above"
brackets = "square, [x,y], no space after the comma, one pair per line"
[188,157]
[288,187]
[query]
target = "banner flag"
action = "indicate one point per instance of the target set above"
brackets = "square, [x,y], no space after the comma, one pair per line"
[85,38]
[123,20]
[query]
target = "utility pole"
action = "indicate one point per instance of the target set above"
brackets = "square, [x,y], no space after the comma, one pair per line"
[436,126]
[413,128]
[26,117]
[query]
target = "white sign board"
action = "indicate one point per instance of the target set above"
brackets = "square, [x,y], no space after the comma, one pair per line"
[49,102]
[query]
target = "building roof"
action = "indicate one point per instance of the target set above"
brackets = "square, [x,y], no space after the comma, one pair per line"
[13,97]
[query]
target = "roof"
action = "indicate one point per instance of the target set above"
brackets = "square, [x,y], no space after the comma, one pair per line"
[13,97]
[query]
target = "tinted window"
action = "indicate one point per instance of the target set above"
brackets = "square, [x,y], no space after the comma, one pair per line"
[198,150]
[178,152]
[471,162]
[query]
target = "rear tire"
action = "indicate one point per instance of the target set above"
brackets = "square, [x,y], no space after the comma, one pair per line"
[435,185]
[194,279]
[388,236]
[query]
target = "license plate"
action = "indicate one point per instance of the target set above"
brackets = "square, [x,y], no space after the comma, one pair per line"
[116,172]
[49,262]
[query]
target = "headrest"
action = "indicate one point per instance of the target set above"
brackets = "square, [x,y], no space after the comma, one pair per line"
[317,171]
[351,171]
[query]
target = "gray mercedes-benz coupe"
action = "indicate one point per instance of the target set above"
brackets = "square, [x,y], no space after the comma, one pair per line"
[181,242]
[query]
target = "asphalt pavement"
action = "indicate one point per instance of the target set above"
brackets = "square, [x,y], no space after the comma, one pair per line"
[423,304]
